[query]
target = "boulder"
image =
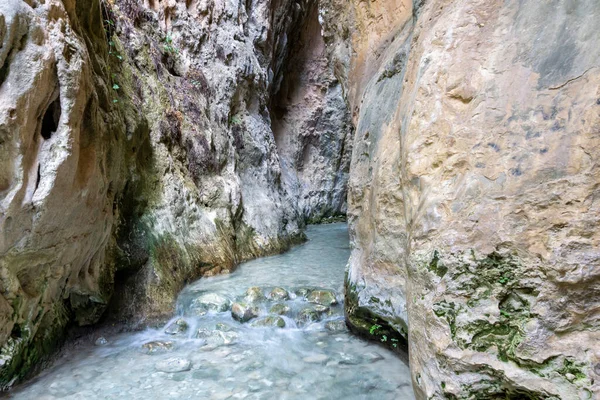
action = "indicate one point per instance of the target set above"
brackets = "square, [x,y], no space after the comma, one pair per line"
[280,309]
[279,294]
[243,312]
[269,321]
[210,302]
[323,297]
[306,316]
[254,295]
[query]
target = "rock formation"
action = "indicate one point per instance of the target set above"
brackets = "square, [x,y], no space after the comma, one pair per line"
[144,144]
[473,190]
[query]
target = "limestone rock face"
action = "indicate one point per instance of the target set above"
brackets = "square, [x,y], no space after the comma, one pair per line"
[60,169]
[473,195]
[205,80]
[146,144]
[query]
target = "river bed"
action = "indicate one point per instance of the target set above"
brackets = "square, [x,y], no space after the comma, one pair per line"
[294,344]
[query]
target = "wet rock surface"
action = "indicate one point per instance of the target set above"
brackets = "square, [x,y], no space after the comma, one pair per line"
[180,326]
[174,365]
[322,297]
[157,346]
[243,312]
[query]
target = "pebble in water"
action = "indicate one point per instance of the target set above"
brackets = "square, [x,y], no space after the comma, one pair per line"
[101,341]
[157,346]
[177,327]
[174,365]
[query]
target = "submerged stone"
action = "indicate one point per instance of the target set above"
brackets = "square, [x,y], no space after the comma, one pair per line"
[316,359]
[216,338]
[349,359]
[270,321]
[306,316]
[336,326]
[373,357]
[174,365]
[302,292]
[243,312]
[323,297]
[254,295]
[157,346]
[280,309]
[203,333]
[223,327]
[177,327]
[279,294]
[101,341]
[210,302]
[321,309]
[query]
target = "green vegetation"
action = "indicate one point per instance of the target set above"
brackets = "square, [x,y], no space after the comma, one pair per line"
[111,66]
[168,46]
[436,267]
[497,279]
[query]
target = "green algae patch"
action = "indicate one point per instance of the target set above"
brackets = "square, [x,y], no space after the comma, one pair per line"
[25,354]
[491,278]
[447,311]
[365,323]
[477,285]
[436,266]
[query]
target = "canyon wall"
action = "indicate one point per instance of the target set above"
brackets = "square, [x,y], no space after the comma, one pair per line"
[473,195]
[146,144]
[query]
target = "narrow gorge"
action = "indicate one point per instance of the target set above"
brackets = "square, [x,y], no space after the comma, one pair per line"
[150,149]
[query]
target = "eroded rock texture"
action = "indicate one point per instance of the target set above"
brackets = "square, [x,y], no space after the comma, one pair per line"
[144,144]
[473,196]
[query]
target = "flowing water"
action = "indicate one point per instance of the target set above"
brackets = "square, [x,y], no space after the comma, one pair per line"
[302,351]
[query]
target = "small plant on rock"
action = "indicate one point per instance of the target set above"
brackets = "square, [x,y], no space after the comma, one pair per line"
[374,329]
[168,46]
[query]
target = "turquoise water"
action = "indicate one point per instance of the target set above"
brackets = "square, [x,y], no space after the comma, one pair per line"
[210,355]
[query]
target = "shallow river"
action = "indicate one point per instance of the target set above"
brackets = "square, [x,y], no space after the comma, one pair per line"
[293,346]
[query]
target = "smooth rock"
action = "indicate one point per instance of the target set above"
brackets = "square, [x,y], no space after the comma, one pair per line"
[254,295]
[243,312]
[373,357]
[157,346]
[176,327]
[279,309]
[101,341]
[306,316]
[302,292]
[322,297]
[269,321]
[321,310]
[336,326]
[220,326]
[279,294]
[211,302]
[316,359]
[172,365]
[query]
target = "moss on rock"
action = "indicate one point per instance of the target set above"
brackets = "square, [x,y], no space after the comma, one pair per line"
[365,323]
